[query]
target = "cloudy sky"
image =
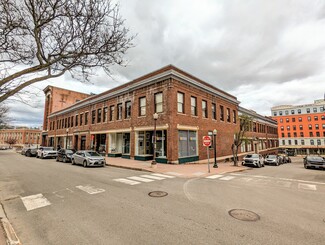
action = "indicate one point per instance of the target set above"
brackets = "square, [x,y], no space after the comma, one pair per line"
[266,53]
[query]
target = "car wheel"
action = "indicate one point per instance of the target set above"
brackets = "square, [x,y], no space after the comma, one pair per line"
[73,162]
[64,159]
[28,154]
[42,156]
[85,164]
[306,167]
[57,159]
[258,165]
[277,163]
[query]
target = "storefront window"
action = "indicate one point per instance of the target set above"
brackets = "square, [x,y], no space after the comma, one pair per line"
[187,143]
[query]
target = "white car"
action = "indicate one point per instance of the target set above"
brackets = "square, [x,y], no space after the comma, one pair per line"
[88,158]
[255,160]
[46,152]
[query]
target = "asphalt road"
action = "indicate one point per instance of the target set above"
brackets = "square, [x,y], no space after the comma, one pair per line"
[76,205]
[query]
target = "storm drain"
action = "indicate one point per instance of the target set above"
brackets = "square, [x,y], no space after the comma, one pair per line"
[244,215]
[158,194]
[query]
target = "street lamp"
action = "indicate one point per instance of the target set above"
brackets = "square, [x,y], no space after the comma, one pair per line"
[37,140]
[215,165]
[155,117]
[66,139]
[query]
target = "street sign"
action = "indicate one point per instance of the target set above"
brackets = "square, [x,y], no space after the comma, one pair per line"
[207,141]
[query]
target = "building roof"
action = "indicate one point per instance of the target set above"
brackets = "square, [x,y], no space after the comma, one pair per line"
[257,116]
[164,73]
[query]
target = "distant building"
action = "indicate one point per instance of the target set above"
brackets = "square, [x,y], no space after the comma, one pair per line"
[301,128]
[120,122]
[23,136]
[57,99]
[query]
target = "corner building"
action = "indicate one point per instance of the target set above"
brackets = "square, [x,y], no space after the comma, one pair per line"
[301,128]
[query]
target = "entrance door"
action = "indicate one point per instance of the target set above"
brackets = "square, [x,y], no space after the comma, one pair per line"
[83,143]
[76,142]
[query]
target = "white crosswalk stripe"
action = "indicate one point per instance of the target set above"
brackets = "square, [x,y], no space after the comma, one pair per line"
[127,181]
[214,176]
[145,178]
[307,187]
[35,201]
[140,179]
[153,177]
[227,178]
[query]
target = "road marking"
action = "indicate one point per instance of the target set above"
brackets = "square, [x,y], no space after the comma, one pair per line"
[127,181]
[35,201]
[262,181]
[285,179]
[307,187]
[214,176]
[227,178]
[153,177]
[90,189]
[246,179]
[140,179]
[164,175]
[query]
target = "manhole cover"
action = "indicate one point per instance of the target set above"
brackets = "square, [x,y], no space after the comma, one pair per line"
[244,215]
[158,194]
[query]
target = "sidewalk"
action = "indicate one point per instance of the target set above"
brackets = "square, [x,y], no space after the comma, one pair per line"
[7,233]
[188,170]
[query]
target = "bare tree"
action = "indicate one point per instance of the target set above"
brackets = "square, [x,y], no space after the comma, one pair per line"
[239,137]
[3,116]
[43,39]
[11,141]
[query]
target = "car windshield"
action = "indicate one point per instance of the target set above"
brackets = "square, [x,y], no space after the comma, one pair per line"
[271,156]
[69,152]
[315,159]
[48,148]
[252,156]
[92,154]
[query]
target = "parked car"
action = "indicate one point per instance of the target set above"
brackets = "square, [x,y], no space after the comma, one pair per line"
[23,150]
[272,160]
[255,160]
[46,152]
[314,162]
[285,158]
[3,148]
[88,158]
[65,155]
[31,152]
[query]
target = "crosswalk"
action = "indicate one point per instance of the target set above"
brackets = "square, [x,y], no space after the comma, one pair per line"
[265,180]
[145,178]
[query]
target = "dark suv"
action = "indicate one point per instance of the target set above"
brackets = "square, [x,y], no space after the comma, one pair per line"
[314,162]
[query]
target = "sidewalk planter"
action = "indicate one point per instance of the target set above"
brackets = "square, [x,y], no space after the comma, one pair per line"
[188,159]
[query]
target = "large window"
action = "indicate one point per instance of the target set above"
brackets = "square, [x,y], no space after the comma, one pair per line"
[222,117]
[193,106]
[234,118]
[119,111]
[128,109]
[180,102]
[76,122]
[93,116]
[105,114]
[187,143]
[99,115]
[228,115]
[214,111]
[142,106]
[111,112]
[204,109]
[81,119]
[86,118]
[159,102]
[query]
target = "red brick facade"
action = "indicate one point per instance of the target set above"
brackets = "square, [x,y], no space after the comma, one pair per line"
[23,136]
[179,132]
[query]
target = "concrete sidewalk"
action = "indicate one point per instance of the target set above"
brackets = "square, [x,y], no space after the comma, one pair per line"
[188,170]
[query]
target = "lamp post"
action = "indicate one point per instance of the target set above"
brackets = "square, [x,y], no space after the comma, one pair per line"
[155,117]
[37,141]
[215,165]
[66,140]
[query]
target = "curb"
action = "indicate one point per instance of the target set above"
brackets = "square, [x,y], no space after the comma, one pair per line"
[126,167]
[10,235]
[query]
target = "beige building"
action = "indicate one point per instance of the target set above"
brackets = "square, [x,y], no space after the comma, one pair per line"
[23,136]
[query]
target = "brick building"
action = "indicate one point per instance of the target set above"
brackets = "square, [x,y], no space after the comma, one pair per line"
[57,99]
[23,136]
[301,128]
[262,134]
[120,122]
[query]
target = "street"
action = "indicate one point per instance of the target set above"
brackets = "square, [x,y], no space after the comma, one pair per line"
[49,202]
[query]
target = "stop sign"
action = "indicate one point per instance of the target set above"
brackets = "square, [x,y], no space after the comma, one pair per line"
[206,141]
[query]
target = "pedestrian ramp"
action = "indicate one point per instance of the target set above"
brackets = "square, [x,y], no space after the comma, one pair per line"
[145,178]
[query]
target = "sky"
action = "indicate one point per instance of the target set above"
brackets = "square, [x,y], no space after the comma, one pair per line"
[266,53]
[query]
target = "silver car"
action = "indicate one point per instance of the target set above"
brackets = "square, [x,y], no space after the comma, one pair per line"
[46,152]
[256,160]
[88,158]
[272,159]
